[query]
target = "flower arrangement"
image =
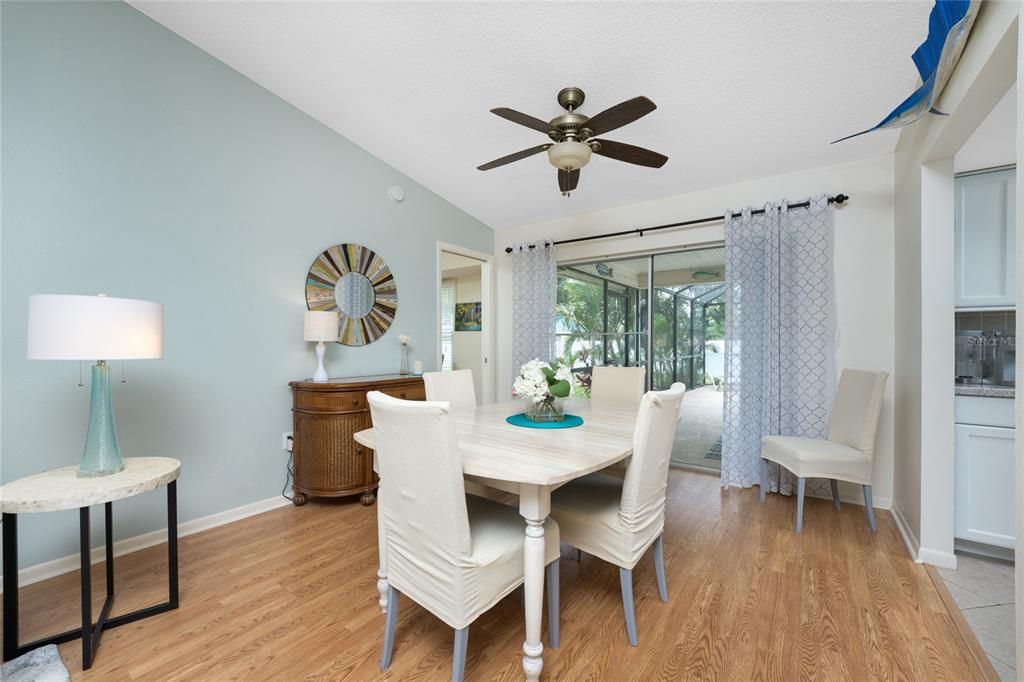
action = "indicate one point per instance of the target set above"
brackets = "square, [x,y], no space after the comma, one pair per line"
[406,342]
[543,385]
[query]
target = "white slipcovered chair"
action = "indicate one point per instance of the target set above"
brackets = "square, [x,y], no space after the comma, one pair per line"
[454,555]
[682,387]
[617,520]
[623,385]
[618,469]
[455,387]
[848,452]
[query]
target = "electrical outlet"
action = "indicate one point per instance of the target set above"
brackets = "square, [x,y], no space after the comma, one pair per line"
[286,441]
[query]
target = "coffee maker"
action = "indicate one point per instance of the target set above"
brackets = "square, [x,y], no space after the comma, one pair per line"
[985,357]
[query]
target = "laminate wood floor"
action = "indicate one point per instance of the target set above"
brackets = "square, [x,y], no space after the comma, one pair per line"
[290,595]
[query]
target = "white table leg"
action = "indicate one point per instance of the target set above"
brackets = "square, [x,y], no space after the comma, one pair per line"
[534,506]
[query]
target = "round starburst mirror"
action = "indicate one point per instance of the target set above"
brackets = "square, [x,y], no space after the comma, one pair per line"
[356,282]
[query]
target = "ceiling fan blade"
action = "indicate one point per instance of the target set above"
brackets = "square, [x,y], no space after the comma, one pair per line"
[567,180]
[513,157]
[619,115]
[523,119]
[621,151]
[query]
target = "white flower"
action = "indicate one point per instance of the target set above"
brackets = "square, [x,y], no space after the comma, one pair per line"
[564,374]
[405,340]
[532,382]
[526,388]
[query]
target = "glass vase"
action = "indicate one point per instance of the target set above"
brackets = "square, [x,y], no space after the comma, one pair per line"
[102,455]
[404,367]
[550,409]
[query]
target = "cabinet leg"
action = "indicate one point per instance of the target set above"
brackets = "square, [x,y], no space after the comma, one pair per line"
[299,499]
[367,499]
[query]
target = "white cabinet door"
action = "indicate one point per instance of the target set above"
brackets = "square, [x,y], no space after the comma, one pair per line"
[985,239]
[984,505]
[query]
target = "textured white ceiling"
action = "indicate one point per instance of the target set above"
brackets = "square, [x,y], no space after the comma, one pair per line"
[743,90]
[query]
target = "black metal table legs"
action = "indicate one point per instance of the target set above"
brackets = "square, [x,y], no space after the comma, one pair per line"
[90,632]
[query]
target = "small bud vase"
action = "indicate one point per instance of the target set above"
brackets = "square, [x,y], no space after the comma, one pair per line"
[404,367]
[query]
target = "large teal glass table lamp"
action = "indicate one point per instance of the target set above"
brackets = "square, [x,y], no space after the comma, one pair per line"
[95,328]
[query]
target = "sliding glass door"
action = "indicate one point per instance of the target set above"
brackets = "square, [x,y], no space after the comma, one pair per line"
[688,286]
[600,314]
[689,345]
[603,317]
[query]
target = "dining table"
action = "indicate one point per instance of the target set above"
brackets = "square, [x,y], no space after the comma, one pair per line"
[530,463]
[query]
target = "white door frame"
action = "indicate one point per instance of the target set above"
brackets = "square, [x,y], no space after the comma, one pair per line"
[486,313]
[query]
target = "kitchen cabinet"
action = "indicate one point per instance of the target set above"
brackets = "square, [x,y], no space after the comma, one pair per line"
[985,233]
[985,464]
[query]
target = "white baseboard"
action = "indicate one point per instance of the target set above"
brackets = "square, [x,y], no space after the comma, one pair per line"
[876,502]
[67,564]
[909,539]
[921,555]
[936,557]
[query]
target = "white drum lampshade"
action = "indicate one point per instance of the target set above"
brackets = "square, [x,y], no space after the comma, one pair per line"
[94,328]
[320,326]
[100,328]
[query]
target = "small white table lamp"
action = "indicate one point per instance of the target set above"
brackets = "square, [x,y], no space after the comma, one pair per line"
[320,326]
[66,327]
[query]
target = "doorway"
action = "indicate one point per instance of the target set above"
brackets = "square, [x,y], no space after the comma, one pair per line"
[984,435]
[464,315]
[603,319]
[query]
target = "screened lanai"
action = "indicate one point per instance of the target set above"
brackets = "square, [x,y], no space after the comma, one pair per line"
[603,320]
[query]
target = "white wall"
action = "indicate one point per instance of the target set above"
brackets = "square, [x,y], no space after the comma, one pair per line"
[864,262]
[467,288]
[923,195]
[993,143]
[467,347]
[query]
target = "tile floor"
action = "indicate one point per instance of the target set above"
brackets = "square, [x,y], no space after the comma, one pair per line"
[983,589]
[699,428]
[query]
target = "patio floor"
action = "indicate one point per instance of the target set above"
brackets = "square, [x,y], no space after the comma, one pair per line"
[699,429]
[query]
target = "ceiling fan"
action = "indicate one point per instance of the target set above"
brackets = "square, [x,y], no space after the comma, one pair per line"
[573,134]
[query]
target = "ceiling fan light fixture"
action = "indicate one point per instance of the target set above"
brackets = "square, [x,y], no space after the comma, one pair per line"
[572,137]
[569,155]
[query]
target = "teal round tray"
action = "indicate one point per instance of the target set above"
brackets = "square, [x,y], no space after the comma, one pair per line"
[570,421]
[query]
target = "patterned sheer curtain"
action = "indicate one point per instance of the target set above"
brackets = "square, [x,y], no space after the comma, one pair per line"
[780,335]
[447,323]
[534,292]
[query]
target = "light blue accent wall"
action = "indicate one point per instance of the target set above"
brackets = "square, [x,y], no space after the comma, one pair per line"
[136,165]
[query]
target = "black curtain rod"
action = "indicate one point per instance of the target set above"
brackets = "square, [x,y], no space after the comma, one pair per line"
[837,199]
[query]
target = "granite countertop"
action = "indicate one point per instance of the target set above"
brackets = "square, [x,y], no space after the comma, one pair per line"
[985,391]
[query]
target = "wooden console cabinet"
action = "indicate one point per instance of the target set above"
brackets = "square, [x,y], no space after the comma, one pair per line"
[327,461]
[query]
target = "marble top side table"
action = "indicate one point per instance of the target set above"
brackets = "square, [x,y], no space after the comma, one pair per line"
[60,489]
